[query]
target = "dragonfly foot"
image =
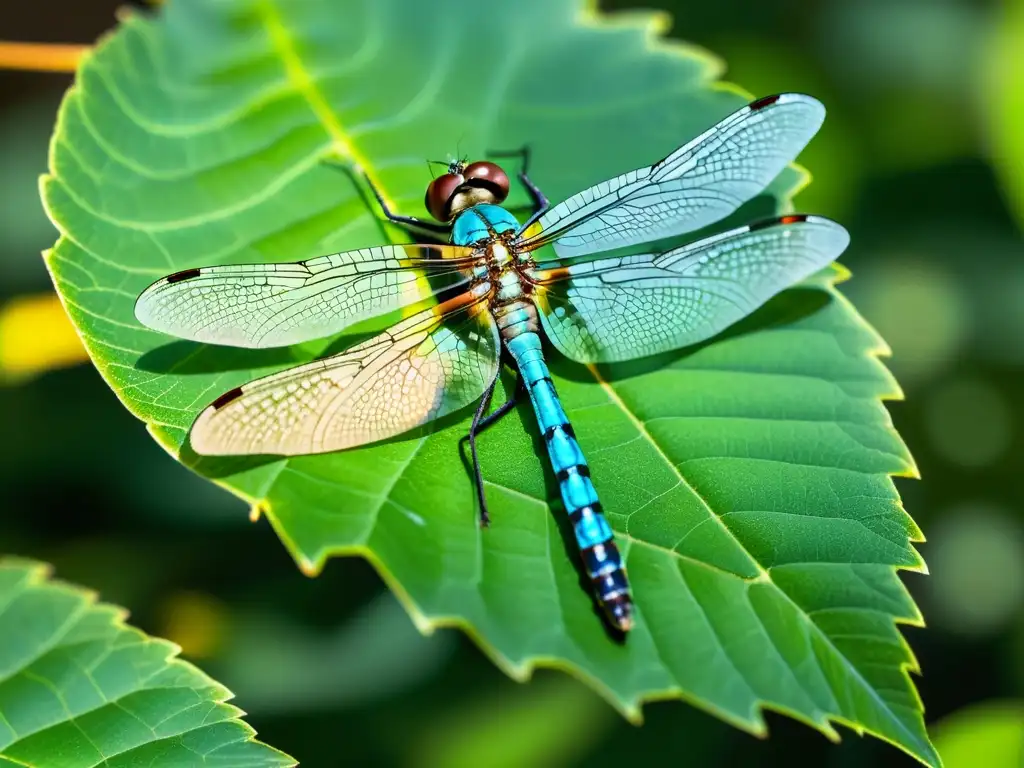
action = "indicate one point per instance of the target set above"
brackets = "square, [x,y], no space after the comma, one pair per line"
[480,423]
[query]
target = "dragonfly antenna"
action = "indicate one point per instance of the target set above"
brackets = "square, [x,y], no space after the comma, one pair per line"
[432,163]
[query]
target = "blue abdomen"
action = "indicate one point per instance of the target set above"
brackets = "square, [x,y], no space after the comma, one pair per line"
[594,536]
[471,226]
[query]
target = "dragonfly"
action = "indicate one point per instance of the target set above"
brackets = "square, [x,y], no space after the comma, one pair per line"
[475,297]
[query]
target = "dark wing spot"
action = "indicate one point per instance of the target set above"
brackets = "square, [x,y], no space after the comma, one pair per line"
[226,398]
[791,218]
[185,274]
[767,101]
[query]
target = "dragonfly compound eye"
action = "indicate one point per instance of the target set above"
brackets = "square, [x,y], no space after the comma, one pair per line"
[489,176]
[440,193]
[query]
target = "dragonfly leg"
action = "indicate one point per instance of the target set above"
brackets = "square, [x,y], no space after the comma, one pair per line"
[540,201]
[480,423]
[415,225]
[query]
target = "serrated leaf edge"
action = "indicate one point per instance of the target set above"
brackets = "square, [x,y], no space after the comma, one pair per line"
[38,573]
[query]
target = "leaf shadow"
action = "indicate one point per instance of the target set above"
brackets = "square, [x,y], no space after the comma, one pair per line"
[190,357]
[219,467]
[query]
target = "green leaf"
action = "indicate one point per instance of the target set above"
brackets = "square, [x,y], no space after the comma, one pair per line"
[748,480]
[989,734]
[1003,87]
[79,688]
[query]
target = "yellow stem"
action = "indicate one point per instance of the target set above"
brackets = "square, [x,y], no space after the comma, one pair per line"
[41,57]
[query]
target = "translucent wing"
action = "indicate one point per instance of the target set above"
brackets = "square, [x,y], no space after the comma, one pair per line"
[698,184]
[614,309]
[272,305]
[430,364]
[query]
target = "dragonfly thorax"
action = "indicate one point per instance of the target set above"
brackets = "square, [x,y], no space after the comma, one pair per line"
[482,222]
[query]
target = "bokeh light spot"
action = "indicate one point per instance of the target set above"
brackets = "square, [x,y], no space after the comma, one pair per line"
[194,620]
[920,310]
[969,422]
[976,560]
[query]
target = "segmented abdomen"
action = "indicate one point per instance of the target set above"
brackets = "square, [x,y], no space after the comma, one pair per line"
[593,534]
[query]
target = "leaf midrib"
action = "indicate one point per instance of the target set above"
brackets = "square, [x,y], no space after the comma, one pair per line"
[296,72]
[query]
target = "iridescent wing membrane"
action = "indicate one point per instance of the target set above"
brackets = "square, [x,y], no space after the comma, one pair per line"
[617,309]
[273,305]
[420,369]
[433,362]
[698,184]
[620,308]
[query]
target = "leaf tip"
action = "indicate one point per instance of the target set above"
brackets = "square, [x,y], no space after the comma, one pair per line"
[656,25]
[804,179]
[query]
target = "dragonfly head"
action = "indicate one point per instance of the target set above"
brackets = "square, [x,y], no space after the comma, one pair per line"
[465,186]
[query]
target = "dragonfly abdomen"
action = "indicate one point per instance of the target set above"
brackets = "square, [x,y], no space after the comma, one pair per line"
[593,534]
[516,318]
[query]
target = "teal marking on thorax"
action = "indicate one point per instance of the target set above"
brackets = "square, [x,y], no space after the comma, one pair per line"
[470,226]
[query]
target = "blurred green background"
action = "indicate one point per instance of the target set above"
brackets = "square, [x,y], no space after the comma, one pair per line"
[921,157]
